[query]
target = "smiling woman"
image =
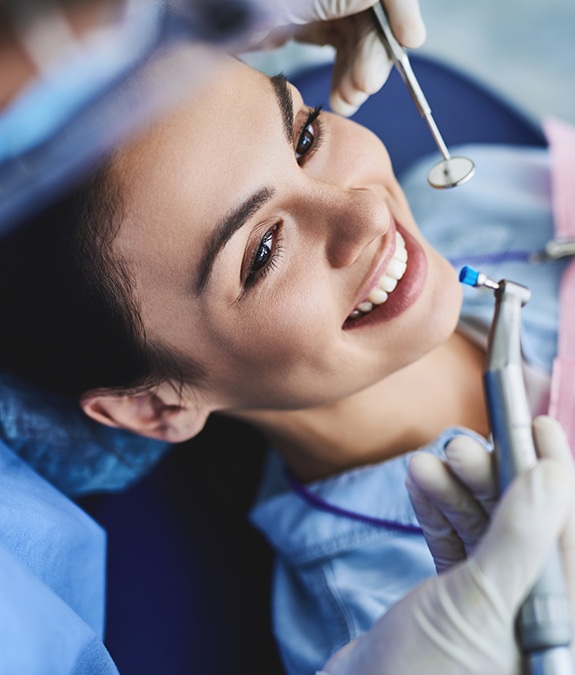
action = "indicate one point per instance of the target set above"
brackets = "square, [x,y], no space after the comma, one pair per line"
[235,267]
[251,256]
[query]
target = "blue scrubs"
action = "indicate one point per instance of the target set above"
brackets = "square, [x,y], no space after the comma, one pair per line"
[52,579]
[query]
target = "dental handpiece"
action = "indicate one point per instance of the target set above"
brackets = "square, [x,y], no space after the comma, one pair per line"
[543,623]
[450,171]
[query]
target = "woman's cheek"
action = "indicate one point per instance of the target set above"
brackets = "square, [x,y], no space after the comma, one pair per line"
[357,151]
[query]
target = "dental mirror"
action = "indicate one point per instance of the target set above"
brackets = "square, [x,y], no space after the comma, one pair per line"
[450,171]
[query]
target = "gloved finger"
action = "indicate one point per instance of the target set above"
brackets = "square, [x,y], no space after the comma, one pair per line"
[475,467]
[404,15]
[450,497]
[525,525]
[406,22]
[551,442]
[361,65]
[444,545]
[308,11]
[309,21]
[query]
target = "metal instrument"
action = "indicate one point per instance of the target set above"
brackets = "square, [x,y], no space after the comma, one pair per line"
[450,171]
[543,623]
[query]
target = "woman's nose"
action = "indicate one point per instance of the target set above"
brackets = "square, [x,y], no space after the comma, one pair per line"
[350,220]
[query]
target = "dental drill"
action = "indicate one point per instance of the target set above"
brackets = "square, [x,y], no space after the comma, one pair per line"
[543,623]
[450,171]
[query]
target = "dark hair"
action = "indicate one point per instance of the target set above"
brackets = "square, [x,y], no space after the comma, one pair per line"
[70,321]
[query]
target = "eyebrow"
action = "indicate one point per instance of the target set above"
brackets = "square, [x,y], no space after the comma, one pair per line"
[285,103]
[237,218]
[226,228]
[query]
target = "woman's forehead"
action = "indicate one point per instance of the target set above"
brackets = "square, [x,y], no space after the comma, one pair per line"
[194,163]
[209,118]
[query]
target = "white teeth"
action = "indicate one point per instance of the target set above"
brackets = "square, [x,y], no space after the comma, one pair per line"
[393,274]
[395,269]
[400,252]
[377,296]
[388,284]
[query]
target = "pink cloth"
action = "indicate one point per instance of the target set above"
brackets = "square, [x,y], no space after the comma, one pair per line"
[561,138]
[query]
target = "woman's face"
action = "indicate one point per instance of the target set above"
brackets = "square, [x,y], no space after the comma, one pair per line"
[257,233]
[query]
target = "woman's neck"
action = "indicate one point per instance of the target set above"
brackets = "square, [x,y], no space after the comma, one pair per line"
[401,413]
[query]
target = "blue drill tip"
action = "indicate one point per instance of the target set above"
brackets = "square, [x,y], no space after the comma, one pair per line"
[468,276]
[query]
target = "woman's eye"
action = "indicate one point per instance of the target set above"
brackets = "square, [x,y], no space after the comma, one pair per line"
[266,255]
[263,253]
[309,136]
[305,141]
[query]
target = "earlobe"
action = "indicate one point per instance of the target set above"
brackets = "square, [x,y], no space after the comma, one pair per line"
[158,413]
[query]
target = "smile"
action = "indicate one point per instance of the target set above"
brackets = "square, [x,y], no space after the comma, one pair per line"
[387,283]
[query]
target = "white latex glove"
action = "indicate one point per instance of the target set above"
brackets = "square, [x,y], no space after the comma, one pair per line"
[462,621]
[453,499]
[361,63]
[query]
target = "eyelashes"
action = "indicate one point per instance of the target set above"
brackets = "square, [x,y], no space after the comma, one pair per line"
[310,136]
[266,256]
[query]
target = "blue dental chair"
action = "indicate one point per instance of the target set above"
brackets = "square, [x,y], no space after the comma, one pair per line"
[188,577]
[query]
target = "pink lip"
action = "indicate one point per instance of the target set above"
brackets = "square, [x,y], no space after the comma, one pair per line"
[408,289]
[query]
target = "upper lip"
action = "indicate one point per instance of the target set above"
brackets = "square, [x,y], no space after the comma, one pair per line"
[379,265]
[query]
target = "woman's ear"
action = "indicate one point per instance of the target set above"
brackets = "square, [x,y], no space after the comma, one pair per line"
[159,413]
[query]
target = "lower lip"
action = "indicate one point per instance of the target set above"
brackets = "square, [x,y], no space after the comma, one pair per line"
[406,292]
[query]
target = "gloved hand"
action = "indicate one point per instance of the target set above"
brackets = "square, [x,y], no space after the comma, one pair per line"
[463,619]
[361,63]
[453,499]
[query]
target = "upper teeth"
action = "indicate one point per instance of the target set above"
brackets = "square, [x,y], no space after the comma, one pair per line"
[393,273]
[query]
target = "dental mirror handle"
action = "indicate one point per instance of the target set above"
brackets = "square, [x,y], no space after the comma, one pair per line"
[401,61]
